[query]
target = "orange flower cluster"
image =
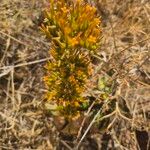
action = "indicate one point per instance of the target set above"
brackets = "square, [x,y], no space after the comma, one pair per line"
[73,28]
[66,81]
[72,25]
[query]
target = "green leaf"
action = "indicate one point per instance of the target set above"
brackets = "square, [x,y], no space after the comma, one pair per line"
[101,83]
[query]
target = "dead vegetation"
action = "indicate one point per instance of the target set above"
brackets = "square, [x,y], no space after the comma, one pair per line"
[124,57]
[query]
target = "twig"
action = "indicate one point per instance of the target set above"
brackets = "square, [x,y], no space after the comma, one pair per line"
[90,125]
[120,114]
[26,64]
[11,37]
[5,147]
[13,89]
[117,141]
[113,34]
[87,130]
[5,52]
[128,48]
[5,72]
[65,144]
[83,122]
[107,116]
[111,124]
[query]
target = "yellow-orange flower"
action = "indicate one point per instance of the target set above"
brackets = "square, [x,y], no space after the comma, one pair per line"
[65,10]
[67,30]
[92,39]
[73,41]
[72,79]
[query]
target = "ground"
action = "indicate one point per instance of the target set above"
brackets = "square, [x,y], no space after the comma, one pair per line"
[124,56]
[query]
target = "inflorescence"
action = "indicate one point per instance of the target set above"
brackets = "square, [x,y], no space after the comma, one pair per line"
[73,28]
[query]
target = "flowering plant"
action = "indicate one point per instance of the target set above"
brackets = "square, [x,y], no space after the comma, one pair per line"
[73,28]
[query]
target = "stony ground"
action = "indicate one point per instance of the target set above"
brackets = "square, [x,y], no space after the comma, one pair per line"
[124,56]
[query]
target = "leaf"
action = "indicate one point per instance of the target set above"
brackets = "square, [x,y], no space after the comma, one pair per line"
[101,83]
[53,108]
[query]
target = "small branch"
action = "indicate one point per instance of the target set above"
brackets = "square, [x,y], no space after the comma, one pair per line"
[11,37]
[26,64]
[111,124]
[107,116]
[87,130]
[120,114]
[128,48]
[83,122]
[66,145]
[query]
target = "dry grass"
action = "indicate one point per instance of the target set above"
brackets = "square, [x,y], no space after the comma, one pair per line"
[124,56]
